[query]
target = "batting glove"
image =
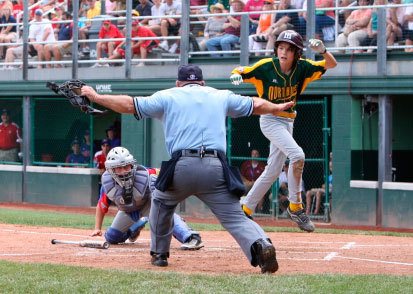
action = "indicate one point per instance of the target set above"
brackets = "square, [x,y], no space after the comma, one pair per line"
[236,79]
[317,46]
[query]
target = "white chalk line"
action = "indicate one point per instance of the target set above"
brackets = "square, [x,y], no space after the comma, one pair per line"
[376,260]
[30,254]
[349,245]
[330,256]
[43,233]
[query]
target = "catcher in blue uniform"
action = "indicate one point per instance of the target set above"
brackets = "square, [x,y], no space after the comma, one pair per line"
[129,186]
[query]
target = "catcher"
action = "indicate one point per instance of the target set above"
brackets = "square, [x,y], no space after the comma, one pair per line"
[129,186]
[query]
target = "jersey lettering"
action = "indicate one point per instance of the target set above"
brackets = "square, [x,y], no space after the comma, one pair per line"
[284,93]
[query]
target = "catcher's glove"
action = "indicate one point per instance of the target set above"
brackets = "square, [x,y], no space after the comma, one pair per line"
[71,91]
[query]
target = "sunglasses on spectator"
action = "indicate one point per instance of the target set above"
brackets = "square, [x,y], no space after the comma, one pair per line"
[267,3]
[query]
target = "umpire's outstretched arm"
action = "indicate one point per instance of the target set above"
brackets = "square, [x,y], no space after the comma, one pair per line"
[124,103]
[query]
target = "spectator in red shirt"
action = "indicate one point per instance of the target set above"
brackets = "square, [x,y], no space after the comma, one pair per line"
[10,137]
[18,10]
[251,6]
[100,156]
[140,47]
[107,31]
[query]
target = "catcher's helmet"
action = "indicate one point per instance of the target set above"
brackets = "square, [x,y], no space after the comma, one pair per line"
[119,157]
[293,38]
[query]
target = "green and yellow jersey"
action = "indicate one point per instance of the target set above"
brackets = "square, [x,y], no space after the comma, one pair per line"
[271,84]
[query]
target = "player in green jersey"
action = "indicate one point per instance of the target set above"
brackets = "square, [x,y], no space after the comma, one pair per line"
[280,79]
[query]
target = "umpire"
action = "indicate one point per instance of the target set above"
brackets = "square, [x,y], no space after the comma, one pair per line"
[193,117]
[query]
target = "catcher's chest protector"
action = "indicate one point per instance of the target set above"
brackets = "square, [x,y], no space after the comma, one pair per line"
[141,191]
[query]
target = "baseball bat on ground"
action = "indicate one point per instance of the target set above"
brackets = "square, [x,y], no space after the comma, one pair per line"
[85,243]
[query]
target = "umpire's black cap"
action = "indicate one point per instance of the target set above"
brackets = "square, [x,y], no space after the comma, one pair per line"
[6,111]
[190,73]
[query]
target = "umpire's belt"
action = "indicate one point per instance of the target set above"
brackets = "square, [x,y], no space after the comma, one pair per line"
[197,153]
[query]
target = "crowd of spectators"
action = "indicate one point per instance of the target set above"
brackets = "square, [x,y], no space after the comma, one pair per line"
[356,27]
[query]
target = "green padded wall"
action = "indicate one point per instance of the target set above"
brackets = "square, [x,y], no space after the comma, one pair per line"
[11,185]
[62,189]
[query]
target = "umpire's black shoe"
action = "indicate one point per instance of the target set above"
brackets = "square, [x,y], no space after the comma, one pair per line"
[159,259]
[265,256]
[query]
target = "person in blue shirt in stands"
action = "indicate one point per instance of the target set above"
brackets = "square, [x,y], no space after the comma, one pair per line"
[76,156]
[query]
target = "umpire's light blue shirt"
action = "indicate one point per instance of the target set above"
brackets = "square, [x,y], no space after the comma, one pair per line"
[193,115]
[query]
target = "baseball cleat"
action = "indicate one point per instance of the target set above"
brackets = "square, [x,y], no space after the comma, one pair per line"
[193,244]
[301,219]
[266,257]
[159,260]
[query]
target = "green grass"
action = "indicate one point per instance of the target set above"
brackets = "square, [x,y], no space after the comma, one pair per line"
[49,219]
[45,278]
[87,221]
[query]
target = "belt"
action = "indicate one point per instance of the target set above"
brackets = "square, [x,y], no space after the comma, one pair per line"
[198,153]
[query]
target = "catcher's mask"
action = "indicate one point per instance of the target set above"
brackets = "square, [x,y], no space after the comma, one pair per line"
[120,157]
[293,38]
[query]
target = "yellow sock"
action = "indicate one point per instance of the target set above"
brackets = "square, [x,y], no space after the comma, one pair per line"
[247,210]
[295,207]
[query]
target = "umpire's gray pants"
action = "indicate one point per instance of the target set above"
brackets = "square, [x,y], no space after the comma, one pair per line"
[204,178]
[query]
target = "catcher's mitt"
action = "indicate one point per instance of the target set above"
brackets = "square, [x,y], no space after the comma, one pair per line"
[71,91]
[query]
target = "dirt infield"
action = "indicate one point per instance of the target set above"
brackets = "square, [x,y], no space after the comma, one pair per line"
[297,253]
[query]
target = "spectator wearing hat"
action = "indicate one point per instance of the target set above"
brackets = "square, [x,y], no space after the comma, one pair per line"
[86,145]
[145,9]
[76,156]
[40,30]
[100,156]
[107,31]
[139,47]
[112,137]
[215,24]
[10,137]
[232,31]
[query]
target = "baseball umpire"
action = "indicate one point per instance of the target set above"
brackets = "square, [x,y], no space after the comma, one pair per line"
[193,117]
[129,186]
[279,79]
